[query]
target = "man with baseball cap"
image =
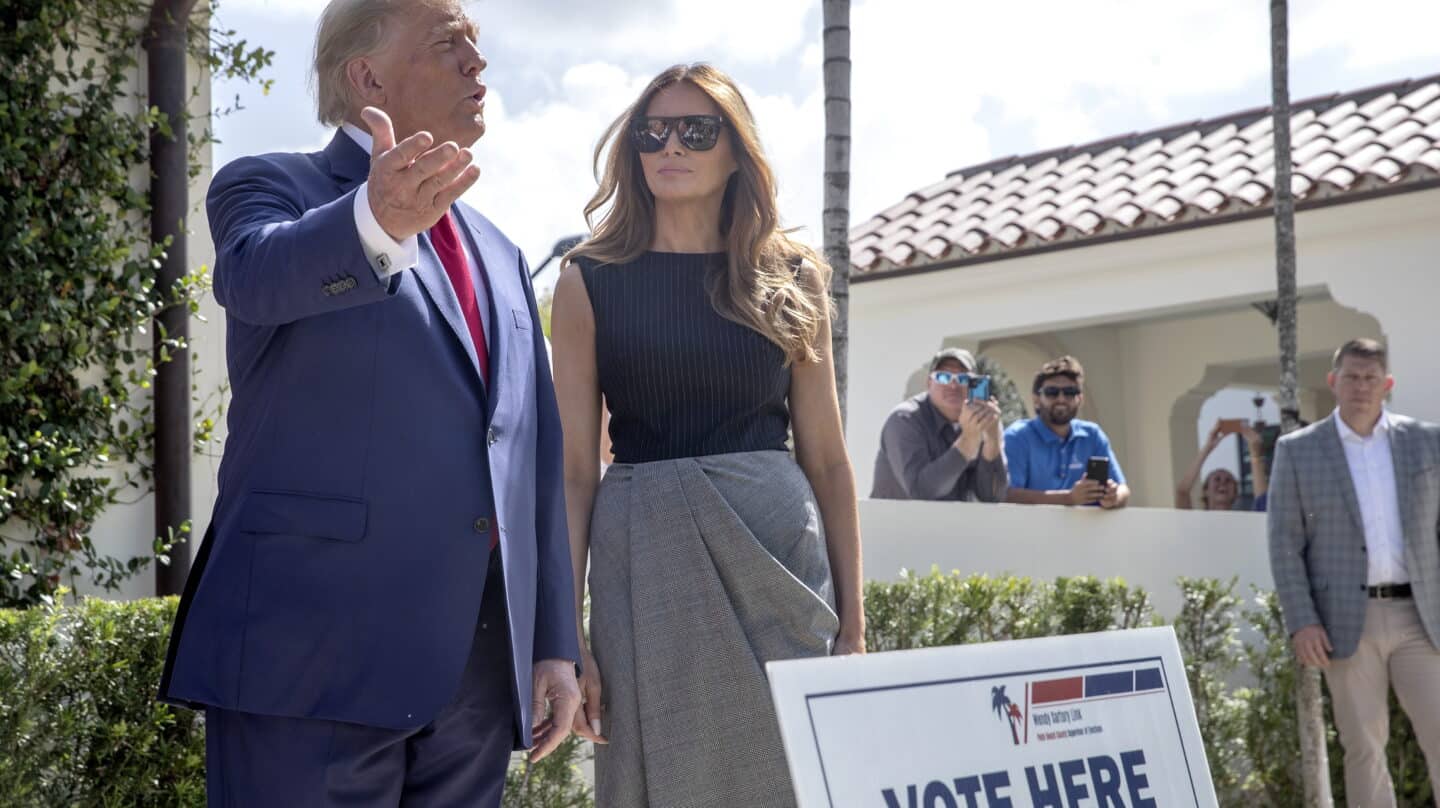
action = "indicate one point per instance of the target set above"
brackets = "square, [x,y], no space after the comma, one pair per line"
[941,445]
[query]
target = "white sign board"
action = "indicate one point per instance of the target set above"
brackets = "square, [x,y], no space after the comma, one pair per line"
[1094,721]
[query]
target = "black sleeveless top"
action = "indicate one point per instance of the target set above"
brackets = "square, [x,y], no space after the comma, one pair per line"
[679,379]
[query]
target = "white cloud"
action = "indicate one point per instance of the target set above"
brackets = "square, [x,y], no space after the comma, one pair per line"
[535,166]
[937,84]
[1375,33]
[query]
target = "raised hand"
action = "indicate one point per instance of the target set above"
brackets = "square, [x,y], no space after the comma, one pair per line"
[411,185]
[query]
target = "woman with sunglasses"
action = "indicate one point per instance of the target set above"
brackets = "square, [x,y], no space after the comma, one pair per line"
[712,548]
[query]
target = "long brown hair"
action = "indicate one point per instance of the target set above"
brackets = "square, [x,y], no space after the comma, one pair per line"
[772,283]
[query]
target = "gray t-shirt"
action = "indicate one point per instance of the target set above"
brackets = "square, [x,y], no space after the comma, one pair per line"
[918,459]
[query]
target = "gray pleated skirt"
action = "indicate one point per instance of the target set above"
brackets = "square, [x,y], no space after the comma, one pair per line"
[701,571]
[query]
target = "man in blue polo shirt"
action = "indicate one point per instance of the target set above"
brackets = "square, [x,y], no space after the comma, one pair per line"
[1048,454]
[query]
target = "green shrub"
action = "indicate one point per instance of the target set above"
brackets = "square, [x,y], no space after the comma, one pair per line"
[79,724]
[925,611]
[78,718]
[1270,725]
[76,430]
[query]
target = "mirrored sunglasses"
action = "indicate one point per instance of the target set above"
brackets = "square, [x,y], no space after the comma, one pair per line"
[946,377]
[650,133]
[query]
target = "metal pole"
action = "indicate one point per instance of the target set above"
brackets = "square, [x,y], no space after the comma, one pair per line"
[165,44]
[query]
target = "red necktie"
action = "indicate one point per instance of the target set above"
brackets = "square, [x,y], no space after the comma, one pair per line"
[445,238]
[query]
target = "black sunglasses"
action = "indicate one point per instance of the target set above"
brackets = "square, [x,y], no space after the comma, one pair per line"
[1056,392]
[650,133]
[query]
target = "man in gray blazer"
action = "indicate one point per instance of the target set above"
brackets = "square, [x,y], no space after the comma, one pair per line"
[1355,551]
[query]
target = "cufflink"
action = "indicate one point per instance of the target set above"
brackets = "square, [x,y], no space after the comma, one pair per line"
[383,261]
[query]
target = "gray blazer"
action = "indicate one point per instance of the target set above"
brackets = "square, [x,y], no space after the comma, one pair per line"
[1317,539]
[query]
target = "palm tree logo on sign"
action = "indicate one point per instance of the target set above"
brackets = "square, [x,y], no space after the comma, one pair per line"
[1005,709]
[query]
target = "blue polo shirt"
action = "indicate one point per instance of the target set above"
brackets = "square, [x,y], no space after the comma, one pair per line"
[1040,461]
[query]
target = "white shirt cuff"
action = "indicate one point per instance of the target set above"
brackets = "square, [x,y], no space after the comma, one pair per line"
[386,255]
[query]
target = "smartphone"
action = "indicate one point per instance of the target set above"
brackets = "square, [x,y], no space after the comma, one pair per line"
[1098,469]
[979,388]
[1231,426]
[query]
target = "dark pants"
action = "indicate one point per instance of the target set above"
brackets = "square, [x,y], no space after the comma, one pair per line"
[459,759]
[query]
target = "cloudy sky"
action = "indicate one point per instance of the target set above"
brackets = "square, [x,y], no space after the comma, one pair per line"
[938,84]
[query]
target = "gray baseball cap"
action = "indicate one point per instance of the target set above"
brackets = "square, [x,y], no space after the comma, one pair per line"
[960,355]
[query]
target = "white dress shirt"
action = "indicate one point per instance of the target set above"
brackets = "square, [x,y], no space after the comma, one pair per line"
[387,256]
[1372,470]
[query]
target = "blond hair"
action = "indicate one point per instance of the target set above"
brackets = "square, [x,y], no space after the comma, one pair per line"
[772,284]
[348,30]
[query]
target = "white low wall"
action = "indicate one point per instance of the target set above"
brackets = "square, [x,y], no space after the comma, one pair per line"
[1148,547]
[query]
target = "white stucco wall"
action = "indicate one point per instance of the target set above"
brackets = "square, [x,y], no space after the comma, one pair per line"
[1147,547]
[1152,319]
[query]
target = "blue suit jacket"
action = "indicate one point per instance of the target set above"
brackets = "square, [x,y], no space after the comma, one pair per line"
[347,556]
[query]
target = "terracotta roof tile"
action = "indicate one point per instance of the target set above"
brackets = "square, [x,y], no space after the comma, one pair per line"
[1318,165]
[903,206]
[1166,207]
[1220,137]
[1389,118]
[1306,135]
[1339,176]
[1386,169]
[1346,127]
[1312,150]
[1365,157]
[1421,96]
[1411,149]
[1253,193]
[1376,106]
[1343,144]
[1430,113]
[1088,222]
[1400,132]
[1357,140]
[1127,214]
[1210,200]
[1338,113]
[1232,181]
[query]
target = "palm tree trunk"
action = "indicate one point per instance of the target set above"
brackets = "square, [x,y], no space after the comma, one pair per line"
[1314,763]
[836,217]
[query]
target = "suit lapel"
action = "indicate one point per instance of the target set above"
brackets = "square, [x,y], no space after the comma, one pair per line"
[492,270]
[1404,461]
[1334,456]
[436,283]
[350,165]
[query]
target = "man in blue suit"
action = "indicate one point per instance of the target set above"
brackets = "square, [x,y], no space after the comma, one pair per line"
[382,609]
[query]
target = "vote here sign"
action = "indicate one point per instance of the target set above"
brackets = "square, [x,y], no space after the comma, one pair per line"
[1086,721]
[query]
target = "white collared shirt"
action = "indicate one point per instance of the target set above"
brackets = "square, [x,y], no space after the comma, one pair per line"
[1372,470]
[387,256]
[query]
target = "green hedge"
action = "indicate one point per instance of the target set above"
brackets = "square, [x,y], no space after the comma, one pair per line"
[79,725]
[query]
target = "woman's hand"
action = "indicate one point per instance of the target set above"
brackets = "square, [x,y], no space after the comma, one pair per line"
[849,642]
[587,719]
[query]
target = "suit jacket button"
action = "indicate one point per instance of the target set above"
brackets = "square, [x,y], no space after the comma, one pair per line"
[482,525]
